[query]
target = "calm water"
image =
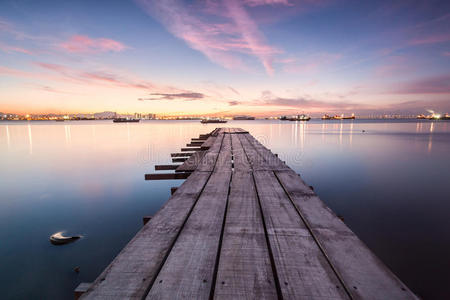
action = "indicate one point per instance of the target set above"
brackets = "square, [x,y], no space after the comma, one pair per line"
[390,183]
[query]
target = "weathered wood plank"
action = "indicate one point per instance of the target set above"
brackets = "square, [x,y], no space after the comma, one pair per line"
[179,159]
[166,176]
[254,158]
[191,164]
[268,160]
[181,154]
[166,167]
[208,143]
[191,149]
[194,144]
[131,272]
[241,163]
[302,269]
[362,272]
[244,271]
[210,156]
[189,269]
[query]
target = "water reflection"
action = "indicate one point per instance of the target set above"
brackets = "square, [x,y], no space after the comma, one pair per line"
[351,134]
[7,136]
[430,138]
[68,135]
[30,139]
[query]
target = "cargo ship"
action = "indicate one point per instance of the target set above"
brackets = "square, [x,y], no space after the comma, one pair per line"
[301,117]
[243,118]
[125,120]
[433,116]
[336,117]
[206,121]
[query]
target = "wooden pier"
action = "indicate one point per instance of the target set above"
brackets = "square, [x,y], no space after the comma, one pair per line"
[243,225]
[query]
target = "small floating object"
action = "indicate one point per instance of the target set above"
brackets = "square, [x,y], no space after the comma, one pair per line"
[59,239]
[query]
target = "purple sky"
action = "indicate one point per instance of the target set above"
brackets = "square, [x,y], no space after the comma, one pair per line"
[260,57]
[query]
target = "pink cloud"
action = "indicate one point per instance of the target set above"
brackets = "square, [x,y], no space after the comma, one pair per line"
[446,53]
[222,31]
[395,65]
[8,49]
[309,64]
[431,39]
[266,2]
[59,73]
[85,44]
[431,85]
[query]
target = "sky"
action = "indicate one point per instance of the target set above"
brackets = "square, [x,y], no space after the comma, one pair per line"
[223,58]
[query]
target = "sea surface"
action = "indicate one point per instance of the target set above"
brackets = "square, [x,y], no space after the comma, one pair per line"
[389,180]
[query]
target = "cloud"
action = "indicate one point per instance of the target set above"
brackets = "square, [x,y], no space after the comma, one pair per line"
[85,44]
[9,49]
[432,85]
[222,31]
[431,39]
[269,99]
[172,96]
[233,103]
[64,74]
[266,2]
[309,64]
[283,105]
[234,90]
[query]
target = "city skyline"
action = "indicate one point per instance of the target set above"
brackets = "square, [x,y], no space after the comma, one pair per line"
[255,57]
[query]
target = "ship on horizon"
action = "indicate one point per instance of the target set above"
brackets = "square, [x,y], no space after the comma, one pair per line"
[433,116]
[214,120]
[336,117]
[125,120]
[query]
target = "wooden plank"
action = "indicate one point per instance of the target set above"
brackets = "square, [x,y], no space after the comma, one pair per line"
[266,160]
[365,276]
[181,154]
[136,266]
[208,143]
[240,131]
[191,164]
[198,140]
[191,149]
[244,271]
[194,144]
[165,176]
[189,269]
[302,269]
[210,156]
[179,159]
[81,289]
[166,167]
[241,163]
[224,162]
[254,158]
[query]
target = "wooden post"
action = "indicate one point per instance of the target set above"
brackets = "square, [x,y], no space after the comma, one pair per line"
[146,219]
[81,289]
